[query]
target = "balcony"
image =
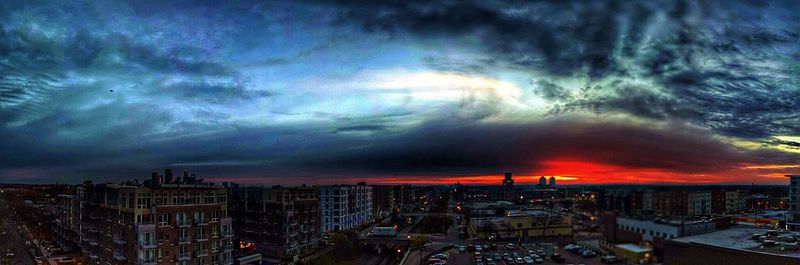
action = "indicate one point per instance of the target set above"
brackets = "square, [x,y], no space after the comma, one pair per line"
[201,254]
[201,222]
[146,244]
[182,256]
[118,256]
[147,261]
[183,223]
[119,240]
[184,240]
[201,237]
[227,248]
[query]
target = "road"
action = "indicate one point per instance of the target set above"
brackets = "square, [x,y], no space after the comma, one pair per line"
[12,240]
[373,258]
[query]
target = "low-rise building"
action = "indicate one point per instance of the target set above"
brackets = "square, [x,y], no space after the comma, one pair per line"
[522,224]
[739,245]
[653,232]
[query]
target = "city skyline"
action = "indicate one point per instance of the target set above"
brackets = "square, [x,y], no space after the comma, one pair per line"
[421,92]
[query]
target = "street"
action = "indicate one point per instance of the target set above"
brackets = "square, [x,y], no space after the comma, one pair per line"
[12,240]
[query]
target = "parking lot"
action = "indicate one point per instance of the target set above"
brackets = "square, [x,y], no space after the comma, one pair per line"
[502,255]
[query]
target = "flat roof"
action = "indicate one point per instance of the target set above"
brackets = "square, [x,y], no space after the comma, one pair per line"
[739,238]
[532,213]
[634,248]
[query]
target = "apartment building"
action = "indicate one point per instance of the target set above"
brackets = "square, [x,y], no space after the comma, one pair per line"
[66,222]
[281,223]
[735,201]
[794,202]
[699,203]
[383,203]
[175,223]
[345,206]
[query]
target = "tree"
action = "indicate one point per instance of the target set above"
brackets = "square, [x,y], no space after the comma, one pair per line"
[419,240]
[346,245]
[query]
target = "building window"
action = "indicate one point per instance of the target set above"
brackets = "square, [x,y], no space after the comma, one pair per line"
[163,219]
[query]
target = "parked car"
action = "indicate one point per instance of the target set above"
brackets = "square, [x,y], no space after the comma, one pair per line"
[538,260]
[557,258]
[610,259]
[510,246]
[588,253]
[527,260]
[519,260]
[434,261]
[441,256]
[571,247]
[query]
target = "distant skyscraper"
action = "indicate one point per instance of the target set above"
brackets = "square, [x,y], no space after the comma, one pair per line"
[794,202]
[542,181]
[508,186]
[168,175]
[508,180]
[552,181]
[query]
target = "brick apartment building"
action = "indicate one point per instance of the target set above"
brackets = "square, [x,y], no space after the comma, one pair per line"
[281,223]
[179,222]
[67,222]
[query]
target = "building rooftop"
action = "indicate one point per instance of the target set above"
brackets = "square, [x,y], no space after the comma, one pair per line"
[740,238]
[532,213]
[634,248]
[487,205]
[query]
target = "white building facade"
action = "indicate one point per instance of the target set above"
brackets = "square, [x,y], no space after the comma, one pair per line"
[344,207]
[794,202]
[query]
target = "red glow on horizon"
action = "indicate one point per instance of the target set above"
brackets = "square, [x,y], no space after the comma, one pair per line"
[584,172]
[566,171]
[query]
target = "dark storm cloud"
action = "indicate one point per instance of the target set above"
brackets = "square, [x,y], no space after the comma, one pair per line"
[446,147]
[436,147]
[726,65]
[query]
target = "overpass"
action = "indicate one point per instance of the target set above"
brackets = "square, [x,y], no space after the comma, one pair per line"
[399,240]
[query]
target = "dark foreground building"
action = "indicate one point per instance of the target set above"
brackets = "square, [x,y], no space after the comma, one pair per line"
[733,246]
[280,223]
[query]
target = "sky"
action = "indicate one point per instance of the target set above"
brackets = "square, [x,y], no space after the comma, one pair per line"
[319,92]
